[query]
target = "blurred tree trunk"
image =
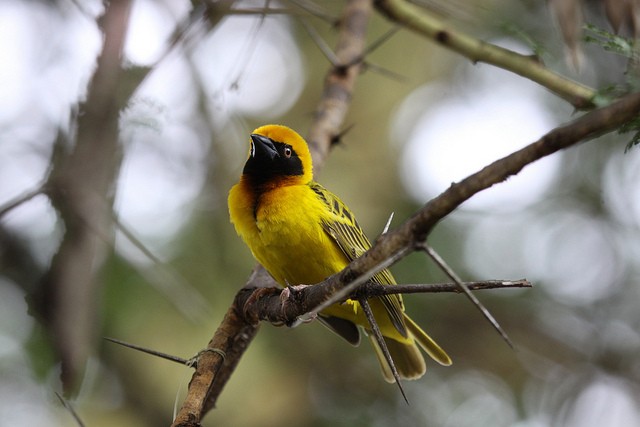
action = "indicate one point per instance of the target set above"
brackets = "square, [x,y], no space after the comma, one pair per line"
[81,187]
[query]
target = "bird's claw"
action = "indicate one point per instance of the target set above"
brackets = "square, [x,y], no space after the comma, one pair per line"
[291,293]
[247,309]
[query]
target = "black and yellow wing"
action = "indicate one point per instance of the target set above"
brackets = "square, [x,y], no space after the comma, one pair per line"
[343,228]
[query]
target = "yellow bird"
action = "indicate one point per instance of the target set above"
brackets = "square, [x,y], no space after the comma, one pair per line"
[302,233]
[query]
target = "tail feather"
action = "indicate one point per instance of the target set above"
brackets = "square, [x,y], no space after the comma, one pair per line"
[427,343]
[407,356]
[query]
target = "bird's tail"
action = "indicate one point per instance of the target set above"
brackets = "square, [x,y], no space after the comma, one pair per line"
[407,357]
[427,343]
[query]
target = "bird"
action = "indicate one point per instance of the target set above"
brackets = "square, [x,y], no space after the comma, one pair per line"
[302,233]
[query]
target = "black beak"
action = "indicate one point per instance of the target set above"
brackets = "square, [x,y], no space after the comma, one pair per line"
[262,147]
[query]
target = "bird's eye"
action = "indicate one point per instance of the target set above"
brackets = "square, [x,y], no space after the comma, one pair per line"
[287,152]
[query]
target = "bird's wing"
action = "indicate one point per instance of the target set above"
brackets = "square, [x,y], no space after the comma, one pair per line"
[343,228]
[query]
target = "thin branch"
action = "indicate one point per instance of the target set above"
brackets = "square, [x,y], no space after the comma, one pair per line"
[22,198]
[156,353]
[369,66]
[187,299]
[303,304]
[421,21]
[319,41]
[315,10]
[374,289]
[340,81]
[381,40]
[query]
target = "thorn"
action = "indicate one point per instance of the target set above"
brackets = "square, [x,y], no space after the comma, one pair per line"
[373,46]
[316,11]
[149,351]
[384,72]
[388,224]
[322,45]
[65,403]
[337,139]
[383,345]
[449,272]
[381,40]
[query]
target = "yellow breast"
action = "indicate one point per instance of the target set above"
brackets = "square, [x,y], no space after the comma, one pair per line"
[284,232]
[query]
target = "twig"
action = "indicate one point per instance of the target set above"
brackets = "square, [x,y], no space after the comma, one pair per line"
[374,289]
[65,403]
[174,287]
[304,303]
[159,354]
[421,21]
[22,198]
[319,41]
[381,40]
[315,10]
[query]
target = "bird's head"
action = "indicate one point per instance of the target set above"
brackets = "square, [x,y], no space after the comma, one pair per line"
[278,155]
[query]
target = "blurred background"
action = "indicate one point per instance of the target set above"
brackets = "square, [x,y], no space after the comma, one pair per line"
[422,118]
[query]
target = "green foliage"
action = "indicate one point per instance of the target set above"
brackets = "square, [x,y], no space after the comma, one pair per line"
[625,47]
[608,94]
[631,126]
[536,46]
[609,42]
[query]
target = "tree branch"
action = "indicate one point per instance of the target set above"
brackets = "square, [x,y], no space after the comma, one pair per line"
[340,81]
[421,21]
[417,228]
[270,307]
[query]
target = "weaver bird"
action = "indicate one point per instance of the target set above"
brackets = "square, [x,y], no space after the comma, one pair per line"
[302,233]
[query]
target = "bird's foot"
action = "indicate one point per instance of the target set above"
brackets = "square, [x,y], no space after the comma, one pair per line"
[249,310]
[291,292]
[291,295]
